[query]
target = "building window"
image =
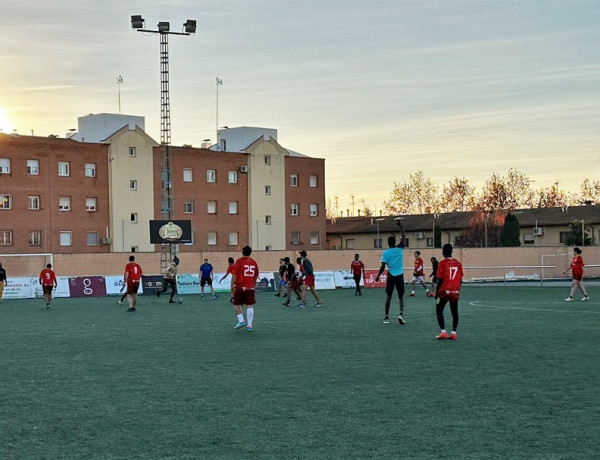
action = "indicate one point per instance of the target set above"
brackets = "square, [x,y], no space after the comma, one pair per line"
[133,185]
[528,240]
[133,218]
[188,175]
[211,207]
[295,238]
[350,243]
[90,170]
[294,180]
[132,152]
[267,159]
[90,204]
[211,175]
[34,202]
[5,201]
[377,243]
[406,243]
[429,242]
[314,209]
[35,238]
[563,237]
[212,238]
[295,209]
[65,238]
[6,237]
[33,167]
[64,203]
[233,238]
[63,168]
[233,207]
[4,165]
[268,247]
[134,249]
[314,237]
[267,220]
[188,207]
[267,189]
[312,180]
[92,238]
[233,177]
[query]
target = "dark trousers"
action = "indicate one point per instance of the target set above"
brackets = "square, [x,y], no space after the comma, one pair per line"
[439,310]
[357,282]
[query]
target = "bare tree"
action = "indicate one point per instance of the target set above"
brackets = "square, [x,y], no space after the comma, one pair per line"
[419,195]
[510,192]
[590,191]
[458,194]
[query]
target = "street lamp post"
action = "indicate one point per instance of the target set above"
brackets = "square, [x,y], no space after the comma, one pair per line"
[377,221]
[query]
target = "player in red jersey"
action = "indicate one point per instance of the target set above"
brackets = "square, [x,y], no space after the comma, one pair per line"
[358,269]
[449,275]
[576,268]
[132,279]
[48,282]
[418,275]
[244,273]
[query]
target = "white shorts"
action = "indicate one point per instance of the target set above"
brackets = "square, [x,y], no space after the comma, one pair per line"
[418,279]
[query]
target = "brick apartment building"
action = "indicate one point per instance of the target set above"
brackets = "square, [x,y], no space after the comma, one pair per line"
[97,191]
[53,195]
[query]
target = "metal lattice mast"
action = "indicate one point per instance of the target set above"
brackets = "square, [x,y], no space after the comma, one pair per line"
[168,251]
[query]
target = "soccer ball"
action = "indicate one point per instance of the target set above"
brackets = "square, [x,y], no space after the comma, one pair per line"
[180,300]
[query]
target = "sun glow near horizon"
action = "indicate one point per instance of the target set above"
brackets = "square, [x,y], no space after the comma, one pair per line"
[6,125]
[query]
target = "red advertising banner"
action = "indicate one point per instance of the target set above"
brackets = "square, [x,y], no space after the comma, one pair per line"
[87,286]
[370,276]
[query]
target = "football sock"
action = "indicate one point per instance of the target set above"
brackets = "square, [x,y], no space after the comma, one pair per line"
[443,330]
[250,314]
[240,318]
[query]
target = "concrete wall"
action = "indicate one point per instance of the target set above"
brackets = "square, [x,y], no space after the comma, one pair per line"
[113,264]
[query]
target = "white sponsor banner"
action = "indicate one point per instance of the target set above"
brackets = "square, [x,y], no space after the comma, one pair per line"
[114,285]
[30,288]
[345,279]
[324,280]
[189,283]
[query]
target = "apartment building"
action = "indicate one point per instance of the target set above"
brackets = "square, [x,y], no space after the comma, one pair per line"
[98,190]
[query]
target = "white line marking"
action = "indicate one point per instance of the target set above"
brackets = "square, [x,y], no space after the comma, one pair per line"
[477,303]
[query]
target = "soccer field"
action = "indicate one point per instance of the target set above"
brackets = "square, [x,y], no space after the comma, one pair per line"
[87,380]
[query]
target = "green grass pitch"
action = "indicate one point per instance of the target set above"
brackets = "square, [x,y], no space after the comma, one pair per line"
[87,380]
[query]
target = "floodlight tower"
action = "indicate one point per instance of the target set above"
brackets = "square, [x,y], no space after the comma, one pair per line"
[166,174]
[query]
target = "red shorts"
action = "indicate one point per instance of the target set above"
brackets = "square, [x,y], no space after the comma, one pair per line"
[448,295]
[309,280]
[47,289]
[244,296]
[133,288]
[577,276]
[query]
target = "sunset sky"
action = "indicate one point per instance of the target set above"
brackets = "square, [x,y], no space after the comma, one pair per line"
[379,88]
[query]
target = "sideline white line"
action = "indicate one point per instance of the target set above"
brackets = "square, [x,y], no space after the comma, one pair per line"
[477,303]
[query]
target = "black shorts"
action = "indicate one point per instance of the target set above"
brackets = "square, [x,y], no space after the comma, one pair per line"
[242,296]
[394,282]
[169,283]
[205,281]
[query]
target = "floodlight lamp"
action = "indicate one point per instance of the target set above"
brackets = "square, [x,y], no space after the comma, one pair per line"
[163,26]
[190,26]
[137,22]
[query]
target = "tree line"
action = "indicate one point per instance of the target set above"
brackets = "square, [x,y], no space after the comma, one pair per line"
[420,195]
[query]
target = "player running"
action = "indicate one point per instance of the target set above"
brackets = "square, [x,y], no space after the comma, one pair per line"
[576,268]
[244,273]
[449,275]
[418,275]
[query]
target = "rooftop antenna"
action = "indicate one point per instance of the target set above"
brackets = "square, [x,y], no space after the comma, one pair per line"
[119,83]
[219,83]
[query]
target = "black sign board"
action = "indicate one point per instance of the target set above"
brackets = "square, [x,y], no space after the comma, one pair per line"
[170,231]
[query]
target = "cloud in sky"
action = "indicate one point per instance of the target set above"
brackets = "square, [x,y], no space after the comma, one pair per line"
[380,89]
